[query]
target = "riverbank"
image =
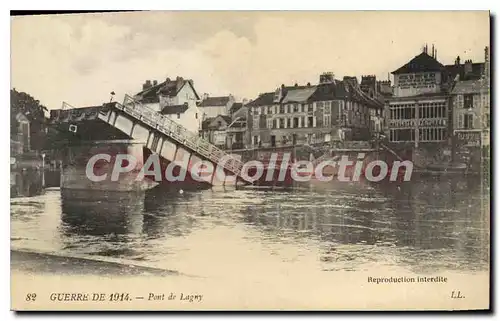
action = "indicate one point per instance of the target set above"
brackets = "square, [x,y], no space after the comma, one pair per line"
[49,263]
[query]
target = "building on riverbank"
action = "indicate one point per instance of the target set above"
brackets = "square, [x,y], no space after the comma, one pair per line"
[312,114]
[26,165]
[214,106]
[420,113]
[174,98]
[470,99]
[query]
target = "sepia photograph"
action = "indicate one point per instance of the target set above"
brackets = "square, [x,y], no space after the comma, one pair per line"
[250,161]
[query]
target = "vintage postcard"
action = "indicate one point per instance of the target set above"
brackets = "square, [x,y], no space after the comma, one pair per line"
[237,160]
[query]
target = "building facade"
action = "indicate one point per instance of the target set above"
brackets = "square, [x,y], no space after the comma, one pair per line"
[176,99]
[311,114]
[214,129]
[420,114]
[214,106]
[418,110]
[471,115]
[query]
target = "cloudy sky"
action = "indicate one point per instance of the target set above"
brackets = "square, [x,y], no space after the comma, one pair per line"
[82,58]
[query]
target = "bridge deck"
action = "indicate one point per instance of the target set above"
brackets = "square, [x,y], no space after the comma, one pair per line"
[157,123]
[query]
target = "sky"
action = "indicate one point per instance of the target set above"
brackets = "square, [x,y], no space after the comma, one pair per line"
[81,58]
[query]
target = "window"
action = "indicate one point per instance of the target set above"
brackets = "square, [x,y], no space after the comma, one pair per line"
[295,108]
[327,108]
[319,104]
[327,120]
[469,101]
[282,109]
[282,123]
[178,116]
[269,123]
[256,140]
[269,110]
[468,121]
[310,121]
[256,122]
[289,123]
[310,108]
[296,122]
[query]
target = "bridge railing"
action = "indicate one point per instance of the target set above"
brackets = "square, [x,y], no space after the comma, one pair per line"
[179,133]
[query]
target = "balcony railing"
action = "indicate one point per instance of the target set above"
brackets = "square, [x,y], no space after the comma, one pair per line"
[179,133]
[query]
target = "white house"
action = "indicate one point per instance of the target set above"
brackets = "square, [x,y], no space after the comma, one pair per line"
[174,98]
[214,106]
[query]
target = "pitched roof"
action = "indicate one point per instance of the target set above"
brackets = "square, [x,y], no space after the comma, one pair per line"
[205,124]
[470,86]
[420,63]
[337,89]
[208,123]
[298,95]
[235,107]
[343,89]
[330,91]
[451,71]
[215,101]
[168,88]
[174,109]
[264,99]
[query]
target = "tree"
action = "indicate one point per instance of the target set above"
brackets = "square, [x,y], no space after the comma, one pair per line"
[21,102]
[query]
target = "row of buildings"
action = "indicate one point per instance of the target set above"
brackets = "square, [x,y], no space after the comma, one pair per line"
[440,112]
[430,109]
[289,115]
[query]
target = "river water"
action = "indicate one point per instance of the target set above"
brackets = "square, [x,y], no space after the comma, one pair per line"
[421,226]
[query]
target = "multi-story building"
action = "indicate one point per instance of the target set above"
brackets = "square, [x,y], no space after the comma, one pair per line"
[214,106]
[175,99]
[470,98]
[381,91]
[214,129]
[311,114]
[419,112]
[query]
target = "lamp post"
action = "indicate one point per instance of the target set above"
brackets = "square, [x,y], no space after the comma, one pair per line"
[43,170]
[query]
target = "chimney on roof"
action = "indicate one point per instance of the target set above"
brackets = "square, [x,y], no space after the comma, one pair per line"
[433,52]
[205,96]
[468,67]
[155,82]
[436,54]
[457,61]
[146,85]
[308,84]
[326,77]
[296,85]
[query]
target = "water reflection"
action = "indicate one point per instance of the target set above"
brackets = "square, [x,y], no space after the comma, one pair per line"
[432,221]
[167,212]
[436,224]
